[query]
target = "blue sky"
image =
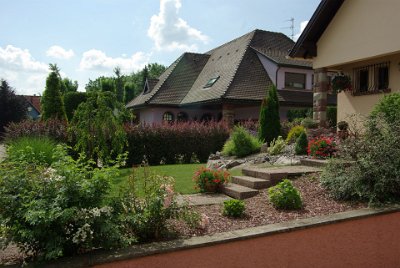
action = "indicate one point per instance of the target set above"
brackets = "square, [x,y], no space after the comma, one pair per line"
[89,38]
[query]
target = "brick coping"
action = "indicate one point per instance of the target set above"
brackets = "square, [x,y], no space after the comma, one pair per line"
[136,251]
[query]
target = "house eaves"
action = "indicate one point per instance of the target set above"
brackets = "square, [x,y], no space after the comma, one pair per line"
[306,45]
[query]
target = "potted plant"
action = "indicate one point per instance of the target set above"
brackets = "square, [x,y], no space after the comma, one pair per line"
[210,180]
[341,82]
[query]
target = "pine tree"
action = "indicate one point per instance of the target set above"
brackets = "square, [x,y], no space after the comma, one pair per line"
[269,121]
[301,144]
[51,102]
[119,85]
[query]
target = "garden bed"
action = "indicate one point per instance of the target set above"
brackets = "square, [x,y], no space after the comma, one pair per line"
[259,211]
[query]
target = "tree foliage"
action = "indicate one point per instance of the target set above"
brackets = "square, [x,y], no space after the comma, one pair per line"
[72,101]
[13,108]
[119,85]
[51,102]
[97,126]
[269,121]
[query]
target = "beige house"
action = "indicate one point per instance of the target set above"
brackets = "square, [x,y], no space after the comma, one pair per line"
[359,38]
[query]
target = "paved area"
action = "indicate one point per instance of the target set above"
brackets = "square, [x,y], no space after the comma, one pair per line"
[202,199]
[2,151]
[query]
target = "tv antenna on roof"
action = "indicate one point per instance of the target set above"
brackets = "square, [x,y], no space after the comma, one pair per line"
[291,27]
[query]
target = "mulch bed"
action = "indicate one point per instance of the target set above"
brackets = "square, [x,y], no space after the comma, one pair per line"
[259,211]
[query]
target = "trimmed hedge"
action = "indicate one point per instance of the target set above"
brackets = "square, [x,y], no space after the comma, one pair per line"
[164,143]
[52,128]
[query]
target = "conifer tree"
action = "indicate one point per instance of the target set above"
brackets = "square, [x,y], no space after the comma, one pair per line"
[52,102]
[301,144]
[269,121]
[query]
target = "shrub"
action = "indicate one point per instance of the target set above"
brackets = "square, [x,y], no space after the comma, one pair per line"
[210,180]
[285,196]
[97,127]
[301,144]
[163,142]
[331,116]
[72,101]
[294,133]
[52,128]
[321,147]
[269,122]
[39,148]
[389,108]
[309,123]
[58,210]
[277,146]
[241,143]
[233,208]
[293,114]
[369,167]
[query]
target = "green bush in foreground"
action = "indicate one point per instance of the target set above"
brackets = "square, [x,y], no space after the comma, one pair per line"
[58,210]
[241,143]
[285,196]
[233,208]
[294,133]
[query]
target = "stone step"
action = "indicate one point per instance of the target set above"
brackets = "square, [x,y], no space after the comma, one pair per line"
[272,175]
[276,174]
[313,162]
[238,191]
[251,182]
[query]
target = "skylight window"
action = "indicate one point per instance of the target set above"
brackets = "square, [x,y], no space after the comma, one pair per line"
[211,82]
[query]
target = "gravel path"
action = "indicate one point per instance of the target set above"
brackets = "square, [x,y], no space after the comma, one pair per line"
[2,151]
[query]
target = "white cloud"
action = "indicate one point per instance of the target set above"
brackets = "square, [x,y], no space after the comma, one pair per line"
[20,59]
[97,60]
[59,53]
[22,71]
[170,32]
[303,25]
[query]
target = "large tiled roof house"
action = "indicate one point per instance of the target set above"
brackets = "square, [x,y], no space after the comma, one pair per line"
[227,82]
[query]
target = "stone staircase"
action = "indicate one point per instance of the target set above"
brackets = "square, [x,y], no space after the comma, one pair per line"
[254,179]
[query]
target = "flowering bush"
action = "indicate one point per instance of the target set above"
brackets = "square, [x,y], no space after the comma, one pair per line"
[321,147]
[58,210]
[210,180]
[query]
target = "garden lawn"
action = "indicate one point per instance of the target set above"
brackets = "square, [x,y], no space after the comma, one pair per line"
[182,173]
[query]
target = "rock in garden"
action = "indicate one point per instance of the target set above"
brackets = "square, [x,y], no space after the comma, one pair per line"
[284,160]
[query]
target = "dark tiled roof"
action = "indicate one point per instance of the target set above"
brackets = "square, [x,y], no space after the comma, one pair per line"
[282,58]
[34,101]
[152,82]
[241,76]
[181,79]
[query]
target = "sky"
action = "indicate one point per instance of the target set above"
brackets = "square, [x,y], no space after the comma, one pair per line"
[89,38]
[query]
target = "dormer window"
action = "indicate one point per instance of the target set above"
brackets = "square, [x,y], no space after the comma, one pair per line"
[211,82]
[146,87]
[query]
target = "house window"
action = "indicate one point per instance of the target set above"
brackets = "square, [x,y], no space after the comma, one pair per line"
[211,82]
[295,80]
[371,78]
[182,117]
[168,117]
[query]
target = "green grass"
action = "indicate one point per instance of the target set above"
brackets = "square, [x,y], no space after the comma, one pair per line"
[182,174]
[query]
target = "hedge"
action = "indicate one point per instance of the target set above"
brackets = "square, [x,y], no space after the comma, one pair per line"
[165,143]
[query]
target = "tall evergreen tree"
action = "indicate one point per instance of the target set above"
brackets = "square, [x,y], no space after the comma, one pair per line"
[269,121]
[13,108]
[119,85]
[51,102]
